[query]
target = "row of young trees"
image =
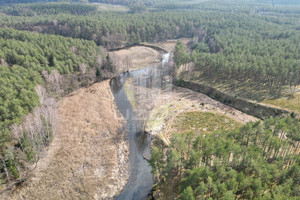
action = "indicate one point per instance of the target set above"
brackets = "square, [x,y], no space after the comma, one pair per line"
[259,161]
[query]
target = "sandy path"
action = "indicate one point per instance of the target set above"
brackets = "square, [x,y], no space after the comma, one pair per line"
[88,158]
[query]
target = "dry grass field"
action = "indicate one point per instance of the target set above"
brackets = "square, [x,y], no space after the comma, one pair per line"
[88,156]
[135,58]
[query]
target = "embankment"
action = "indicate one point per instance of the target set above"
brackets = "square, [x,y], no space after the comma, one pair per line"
[251,108]
[88,158]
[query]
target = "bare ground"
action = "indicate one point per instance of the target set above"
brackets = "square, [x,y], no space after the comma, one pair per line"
[88,158]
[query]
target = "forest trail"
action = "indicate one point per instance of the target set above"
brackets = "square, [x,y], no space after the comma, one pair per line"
[88,158]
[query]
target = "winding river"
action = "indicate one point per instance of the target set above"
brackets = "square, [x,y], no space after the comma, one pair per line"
[140,179]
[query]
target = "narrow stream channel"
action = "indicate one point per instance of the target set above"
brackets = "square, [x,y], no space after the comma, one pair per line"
[140,179]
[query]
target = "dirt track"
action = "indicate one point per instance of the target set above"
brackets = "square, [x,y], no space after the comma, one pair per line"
[88,157]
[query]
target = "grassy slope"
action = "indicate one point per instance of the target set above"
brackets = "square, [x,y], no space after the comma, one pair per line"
[291,102]
[203,122]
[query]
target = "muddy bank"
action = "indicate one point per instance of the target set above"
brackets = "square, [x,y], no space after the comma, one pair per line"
[88,158]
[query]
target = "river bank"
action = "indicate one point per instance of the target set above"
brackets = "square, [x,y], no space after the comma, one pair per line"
[152,103]
[88,157]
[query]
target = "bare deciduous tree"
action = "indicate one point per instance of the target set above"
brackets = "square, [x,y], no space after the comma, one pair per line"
[53,81]
[116,61]
[128,63]
[34,134]
[74,49]
[83,68]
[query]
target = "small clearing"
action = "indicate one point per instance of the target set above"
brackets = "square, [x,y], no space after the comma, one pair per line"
[169,45]
[135,58]
[110,7]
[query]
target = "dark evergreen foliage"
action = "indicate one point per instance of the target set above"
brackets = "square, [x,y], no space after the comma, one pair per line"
[259,161]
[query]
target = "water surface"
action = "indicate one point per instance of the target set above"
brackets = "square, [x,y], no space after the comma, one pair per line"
[140,179]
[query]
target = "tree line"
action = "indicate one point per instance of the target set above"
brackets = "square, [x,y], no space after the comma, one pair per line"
[112,29]
[25,1]
[48,9]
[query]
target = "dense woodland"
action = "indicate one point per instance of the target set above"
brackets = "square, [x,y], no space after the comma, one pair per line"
[258,161]
[112,29]
[48,50]
[263,50]
[48,9]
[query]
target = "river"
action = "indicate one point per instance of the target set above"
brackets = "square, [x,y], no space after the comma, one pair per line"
[140,180]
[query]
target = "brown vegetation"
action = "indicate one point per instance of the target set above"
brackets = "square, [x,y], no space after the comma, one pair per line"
[31,138]
[135,58]
[169,45]
[88,156]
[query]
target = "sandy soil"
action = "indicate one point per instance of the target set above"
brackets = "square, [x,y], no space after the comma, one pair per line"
[88,158]
[135,57]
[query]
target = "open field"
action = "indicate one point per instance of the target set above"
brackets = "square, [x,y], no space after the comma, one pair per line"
[203,122]
[140,57]
[135,58]
[88,158]
[169,45]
